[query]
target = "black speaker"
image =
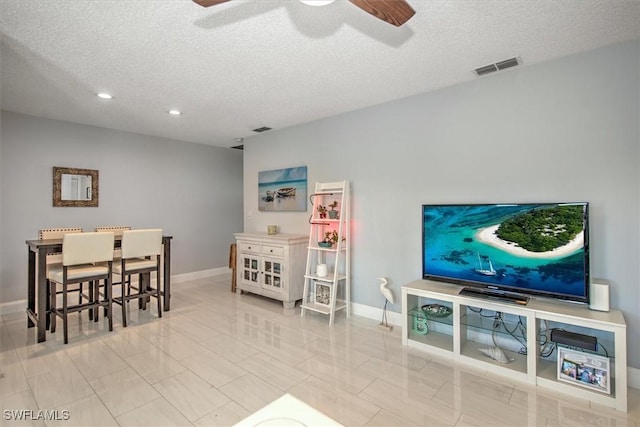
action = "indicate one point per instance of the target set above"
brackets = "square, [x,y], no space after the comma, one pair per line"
[573,339]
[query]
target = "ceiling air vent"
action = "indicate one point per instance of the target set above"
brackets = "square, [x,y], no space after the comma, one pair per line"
[507,63]
[262,129]
[502,65]
[486,70]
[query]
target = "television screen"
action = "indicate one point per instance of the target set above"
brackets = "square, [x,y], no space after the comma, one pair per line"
[540,249]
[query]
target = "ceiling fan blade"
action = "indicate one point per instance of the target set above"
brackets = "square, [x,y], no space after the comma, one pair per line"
[395,12]
[207,3]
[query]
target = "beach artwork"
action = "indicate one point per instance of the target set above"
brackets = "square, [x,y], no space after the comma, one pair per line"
[535,247]
[283,189]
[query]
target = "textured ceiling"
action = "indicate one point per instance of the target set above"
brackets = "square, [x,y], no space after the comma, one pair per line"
[245,64]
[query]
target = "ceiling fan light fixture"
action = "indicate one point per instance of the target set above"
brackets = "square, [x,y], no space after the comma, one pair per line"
[394,12]
[317,2]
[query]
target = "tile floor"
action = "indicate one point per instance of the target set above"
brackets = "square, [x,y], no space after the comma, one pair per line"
[217,357]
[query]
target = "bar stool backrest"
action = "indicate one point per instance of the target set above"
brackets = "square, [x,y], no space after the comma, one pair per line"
[117,229]
[85,248]
[141,243]
[55,233]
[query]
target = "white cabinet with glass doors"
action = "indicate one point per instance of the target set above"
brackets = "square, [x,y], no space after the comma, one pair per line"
[271,265]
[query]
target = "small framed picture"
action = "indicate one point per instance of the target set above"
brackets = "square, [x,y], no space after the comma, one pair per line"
[584,369]
[322,293]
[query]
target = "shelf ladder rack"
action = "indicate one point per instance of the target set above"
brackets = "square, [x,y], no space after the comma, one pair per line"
[320,293]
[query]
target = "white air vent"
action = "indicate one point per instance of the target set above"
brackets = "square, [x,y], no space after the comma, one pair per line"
[502,65]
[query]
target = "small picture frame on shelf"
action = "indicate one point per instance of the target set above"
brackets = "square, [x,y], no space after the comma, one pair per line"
[322,293]
[584,369]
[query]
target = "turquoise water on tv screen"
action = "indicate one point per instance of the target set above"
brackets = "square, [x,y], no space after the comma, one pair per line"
[455,248]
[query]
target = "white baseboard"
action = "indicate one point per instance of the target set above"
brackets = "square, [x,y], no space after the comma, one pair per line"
[394,318]
[13,307]
[375,313]
[633,377]
[21,305]
[202,274]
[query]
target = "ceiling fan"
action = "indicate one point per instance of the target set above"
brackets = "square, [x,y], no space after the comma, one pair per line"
[395,12]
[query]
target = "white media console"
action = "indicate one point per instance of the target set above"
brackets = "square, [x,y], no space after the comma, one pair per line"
[471,327]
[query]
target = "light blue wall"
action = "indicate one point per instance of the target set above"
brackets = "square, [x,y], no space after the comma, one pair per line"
[566,130]
[192,191]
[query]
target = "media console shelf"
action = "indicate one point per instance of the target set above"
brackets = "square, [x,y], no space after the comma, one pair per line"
[471,327]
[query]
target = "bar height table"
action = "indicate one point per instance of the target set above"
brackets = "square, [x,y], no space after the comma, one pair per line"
[37,251]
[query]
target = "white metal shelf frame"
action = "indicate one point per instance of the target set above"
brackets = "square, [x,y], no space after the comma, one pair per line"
[338,257]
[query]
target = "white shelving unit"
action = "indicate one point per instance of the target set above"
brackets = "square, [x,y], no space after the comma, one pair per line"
[461,335]
[330,293]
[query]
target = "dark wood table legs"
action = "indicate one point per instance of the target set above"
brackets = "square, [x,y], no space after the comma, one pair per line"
[37,293]
[167,273]
[37,298]
[31,290]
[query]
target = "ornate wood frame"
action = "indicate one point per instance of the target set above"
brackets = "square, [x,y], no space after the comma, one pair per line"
[57,187]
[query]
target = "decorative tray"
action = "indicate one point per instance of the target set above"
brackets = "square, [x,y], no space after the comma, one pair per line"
[436,310]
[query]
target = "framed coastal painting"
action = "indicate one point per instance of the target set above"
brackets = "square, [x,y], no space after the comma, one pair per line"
[283,189]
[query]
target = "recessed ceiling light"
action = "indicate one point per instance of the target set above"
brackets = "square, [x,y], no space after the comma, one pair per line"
[104,95]
[175,112]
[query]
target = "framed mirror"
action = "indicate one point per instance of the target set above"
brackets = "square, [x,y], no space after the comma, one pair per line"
[74,187]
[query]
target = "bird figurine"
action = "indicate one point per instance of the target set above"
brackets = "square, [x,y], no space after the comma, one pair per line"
[386,292]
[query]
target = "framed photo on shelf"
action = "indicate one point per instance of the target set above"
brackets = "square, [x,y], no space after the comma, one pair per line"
[584,369]
[322,293]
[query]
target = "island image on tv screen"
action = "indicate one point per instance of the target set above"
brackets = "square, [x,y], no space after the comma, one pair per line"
[539,249]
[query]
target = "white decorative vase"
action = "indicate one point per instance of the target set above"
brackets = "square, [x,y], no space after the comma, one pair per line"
[322,271]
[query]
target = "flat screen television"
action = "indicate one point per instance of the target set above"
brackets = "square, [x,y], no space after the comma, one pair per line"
[536,248]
